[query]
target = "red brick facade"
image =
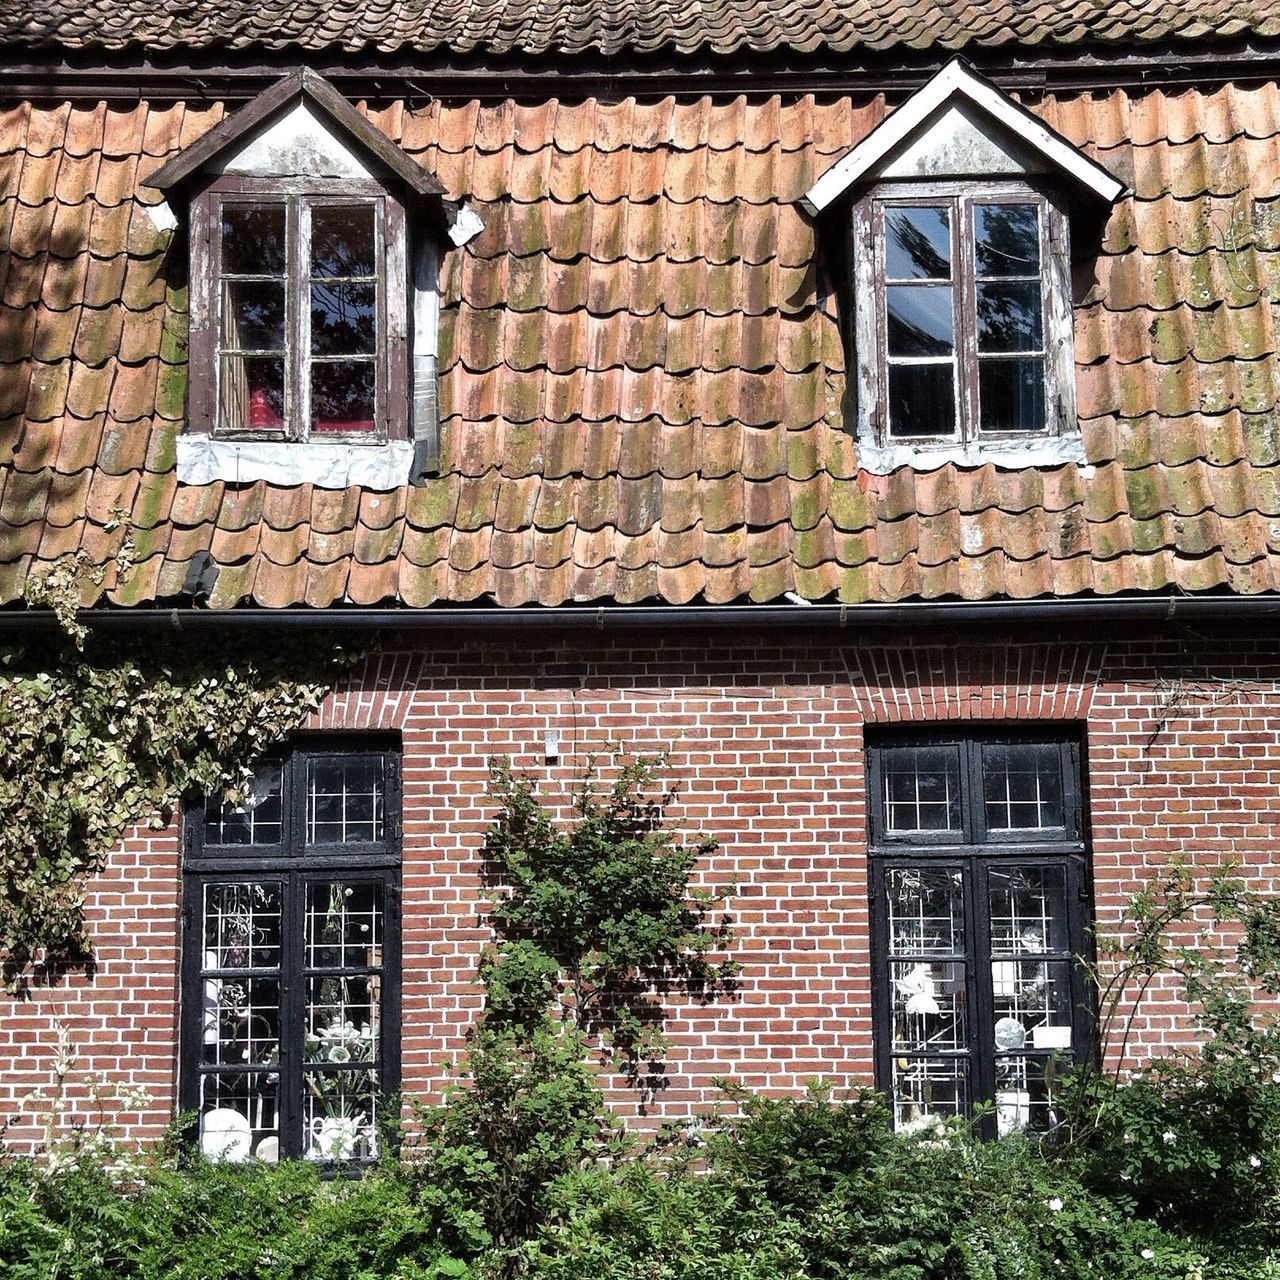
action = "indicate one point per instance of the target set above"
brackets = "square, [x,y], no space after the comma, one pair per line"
[1182,757]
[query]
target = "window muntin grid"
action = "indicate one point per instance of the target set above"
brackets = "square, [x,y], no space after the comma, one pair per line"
[921,789]
[292,1008]
[1022,786]
[978,991]
[257,819]
[345,797]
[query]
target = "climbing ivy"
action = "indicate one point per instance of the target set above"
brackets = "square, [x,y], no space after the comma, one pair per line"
[101,735]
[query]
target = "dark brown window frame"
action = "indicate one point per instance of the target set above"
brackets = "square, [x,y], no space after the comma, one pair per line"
[871,309]
[974,852]
[391,379]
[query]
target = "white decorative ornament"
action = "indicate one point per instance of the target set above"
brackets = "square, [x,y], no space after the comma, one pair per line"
[225,1135]
[918,987]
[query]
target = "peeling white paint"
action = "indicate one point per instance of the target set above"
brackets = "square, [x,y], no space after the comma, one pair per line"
[202,460]
[465,226]
[960,142]
[296,143]
[880,460]
[162,217]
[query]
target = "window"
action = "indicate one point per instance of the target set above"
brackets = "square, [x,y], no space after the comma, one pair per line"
[299,311]
[979,891]
[290,1009]
[967,314]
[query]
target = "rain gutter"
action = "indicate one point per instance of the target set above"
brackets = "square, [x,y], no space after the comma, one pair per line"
[625,619]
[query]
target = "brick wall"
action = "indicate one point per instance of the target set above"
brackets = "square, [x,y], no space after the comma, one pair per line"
[1182,758]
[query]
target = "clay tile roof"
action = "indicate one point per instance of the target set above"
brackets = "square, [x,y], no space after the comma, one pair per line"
[642,376]
[538,27]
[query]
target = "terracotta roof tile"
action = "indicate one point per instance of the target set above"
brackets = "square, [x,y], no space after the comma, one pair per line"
[641,396]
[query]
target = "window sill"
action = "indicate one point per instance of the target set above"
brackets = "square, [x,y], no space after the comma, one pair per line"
[1049,451]
[202,460]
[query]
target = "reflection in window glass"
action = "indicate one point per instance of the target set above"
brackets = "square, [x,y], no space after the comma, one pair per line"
[1006,240]
[340,1113]
[1028,910]
[917,243]
[929,1007]
[1011,393]
[921,788]
[928,1090]
[254,820]
[1022,786]
[926,910]
[242,925]
[342,924]
[344,799]
[239,1116]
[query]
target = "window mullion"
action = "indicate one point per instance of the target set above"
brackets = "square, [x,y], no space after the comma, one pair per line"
[299,321]
[981,1043]
[965,271]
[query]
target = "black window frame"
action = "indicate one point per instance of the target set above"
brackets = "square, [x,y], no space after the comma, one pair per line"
[975,851]
[294,864]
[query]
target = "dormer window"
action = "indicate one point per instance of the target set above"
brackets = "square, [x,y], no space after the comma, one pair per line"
[968,316]
[302,290]
[961,288]
[313,287]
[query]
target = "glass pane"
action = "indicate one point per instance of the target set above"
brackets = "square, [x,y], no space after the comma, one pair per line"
[343,396]
[921,788]
[253,239]
[921,320]
[344,319]
[1024,1094]
[251,393]
[1009,316]
[241,926]
[1028,910]
[342,1019]
[1007,239]
[922,400]
[239,1117]
[917,243]
[344,925]
[252,315]
[1022,786]
[926,910]
[343,241]
[339,1115]
[929,1006]
[1032,1004]
[255,820]
[925,1092]
[240,1021]
[1011,394]
[344,799]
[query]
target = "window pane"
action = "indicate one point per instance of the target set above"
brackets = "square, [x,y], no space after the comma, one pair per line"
[344,799]
[253,239]
[926,1091]
[917,243]
[239,1116]
[344,925]
[1011,394]
[252,315]
[251,393]
[1007,239]
[1009,316]
[342,396]
[1024,1094]
[343,1019]
[929,1002]
[339,1115]
[1022,786]
[921,322]
[1032,1005]
[255,820]
[241,926]
[921,788]
[926,910]
[344,319]
[241,1021]
[922,400]
[343,241]
[1028,909]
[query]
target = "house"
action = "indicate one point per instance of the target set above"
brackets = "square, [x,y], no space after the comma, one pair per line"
[875,406]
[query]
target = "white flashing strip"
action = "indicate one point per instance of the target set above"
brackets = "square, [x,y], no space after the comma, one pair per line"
[202,460]
[880,460]
[956,79]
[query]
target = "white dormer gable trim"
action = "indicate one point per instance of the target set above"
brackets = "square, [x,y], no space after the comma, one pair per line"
[971,103]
